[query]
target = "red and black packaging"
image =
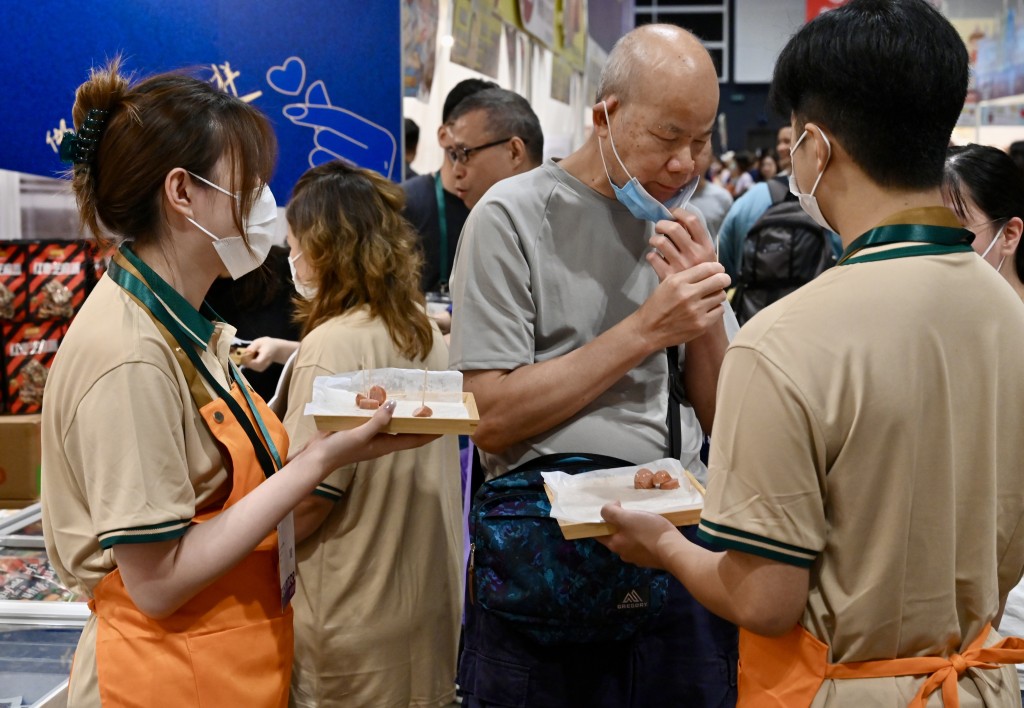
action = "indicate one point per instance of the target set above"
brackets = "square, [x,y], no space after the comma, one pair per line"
[60,275]
[13,281]
[29,348]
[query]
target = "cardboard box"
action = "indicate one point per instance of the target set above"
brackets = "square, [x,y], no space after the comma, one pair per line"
[13,281]
[20,458]
[60,276]
[29,349]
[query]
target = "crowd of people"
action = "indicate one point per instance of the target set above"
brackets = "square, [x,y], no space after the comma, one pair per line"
[860,538]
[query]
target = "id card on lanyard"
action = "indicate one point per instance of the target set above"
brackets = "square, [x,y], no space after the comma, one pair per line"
[131,274]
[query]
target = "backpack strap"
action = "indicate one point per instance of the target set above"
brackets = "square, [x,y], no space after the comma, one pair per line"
[675,398]
[778,188]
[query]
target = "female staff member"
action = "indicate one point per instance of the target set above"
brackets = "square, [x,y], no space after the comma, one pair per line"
[378,603]
[985,187]
[164,473]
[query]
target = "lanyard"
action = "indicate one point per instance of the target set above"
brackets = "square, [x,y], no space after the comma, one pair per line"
[187,333]
[442,223]
[937,240]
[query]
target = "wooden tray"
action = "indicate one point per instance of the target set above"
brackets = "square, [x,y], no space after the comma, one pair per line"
[573,530]
[408,424]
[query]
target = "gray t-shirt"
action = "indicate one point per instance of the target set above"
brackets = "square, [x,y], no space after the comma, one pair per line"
[544,265]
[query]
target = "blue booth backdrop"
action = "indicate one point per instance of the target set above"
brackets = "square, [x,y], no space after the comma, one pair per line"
[327,73]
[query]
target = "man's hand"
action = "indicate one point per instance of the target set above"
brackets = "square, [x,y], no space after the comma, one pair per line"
[683,306]
[638,535]
[680,245]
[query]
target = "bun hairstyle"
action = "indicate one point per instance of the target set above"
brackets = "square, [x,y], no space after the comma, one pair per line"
[135,133]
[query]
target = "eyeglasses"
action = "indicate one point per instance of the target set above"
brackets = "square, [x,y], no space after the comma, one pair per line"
[461,155]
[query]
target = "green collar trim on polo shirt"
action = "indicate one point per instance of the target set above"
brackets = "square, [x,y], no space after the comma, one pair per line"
[199,327]
[927,231]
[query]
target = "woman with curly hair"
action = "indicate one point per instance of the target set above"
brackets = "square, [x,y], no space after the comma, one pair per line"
[377,609]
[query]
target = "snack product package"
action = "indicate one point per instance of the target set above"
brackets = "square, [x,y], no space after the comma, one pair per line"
[26,574]
[13,281]
[60,275]
[29,348]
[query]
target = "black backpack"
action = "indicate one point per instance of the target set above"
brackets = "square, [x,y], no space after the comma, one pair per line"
[783,250]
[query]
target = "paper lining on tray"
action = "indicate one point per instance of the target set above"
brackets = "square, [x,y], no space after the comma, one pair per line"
[579,497]
[336,395]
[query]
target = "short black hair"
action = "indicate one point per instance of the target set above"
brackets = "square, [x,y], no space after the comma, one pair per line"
[461,90]
[412,134]
[508,115]
[887,77]
[1017,152]
[992,180]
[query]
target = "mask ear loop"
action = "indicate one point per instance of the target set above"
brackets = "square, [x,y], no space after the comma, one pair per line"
[611,141]
[827,160]
[995,240]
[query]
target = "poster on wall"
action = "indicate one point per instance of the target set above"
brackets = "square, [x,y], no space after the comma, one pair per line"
[538,18]
[419,47]
[508,11]
[816,7]
[310,75]
[477,32]
[573,33]
[561,79]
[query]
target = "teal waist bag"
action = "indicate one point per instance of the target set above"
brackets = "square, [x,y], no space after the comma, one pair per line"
[553,590]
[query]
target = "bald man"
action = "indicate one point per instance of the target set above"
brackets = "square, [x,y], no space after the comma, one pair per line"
[578,287]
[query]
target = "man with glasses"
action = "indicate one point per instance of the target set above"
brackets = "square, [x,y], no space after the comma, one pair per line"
[494,134]
[432,206]
[564,323]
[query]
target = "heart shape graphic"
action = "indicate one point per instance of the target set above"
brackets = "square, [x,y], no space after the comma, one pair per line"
[289,77]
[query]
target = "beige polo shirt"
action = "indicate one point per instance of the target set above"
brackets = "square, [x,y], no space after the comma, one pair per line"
[126,456]
[868,427]
[379,597]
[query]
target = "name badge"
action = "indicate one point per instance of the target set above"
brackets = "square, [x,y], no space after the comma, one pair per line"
[286,558]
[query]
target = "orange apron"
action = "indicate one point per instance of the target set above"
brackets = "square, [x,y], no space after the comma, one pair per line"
[231,644]
[787,671]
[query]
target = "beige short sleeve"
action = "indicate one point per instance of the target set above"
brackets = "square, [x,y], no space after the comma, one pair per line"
[302,428]
[766,483]
[132,465]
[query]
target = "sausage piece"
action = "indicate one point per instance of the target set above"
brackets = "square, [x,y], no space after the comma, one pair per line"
[644,479]
[368,404]
[671,484]
[422,412]
[661,476]
[378,394]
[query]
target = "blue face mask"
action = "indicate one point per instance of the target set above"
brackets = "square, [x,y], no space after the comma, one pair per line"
[634,197]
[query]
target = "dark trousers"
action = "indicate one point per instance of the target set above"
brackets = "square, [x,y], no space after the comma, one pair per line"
[685,657]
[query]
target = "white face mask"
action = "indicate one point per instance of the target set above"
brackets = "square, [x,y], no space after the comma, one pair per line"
[995,240]
[305,291]
[259,228]
[808,202]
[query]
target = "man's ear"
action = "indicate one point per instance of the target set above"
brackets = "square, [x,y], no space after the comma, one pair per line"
[822,150]
[517,150]
[600,121]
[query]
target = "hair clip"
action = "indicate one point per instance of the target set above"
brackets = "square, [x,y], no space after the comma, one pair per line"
[80,147]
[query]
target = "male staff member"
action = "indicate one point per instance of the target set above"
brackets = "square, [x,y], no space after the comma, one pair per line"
[562,315]
[865,467]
